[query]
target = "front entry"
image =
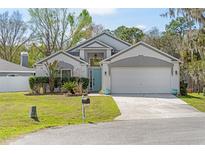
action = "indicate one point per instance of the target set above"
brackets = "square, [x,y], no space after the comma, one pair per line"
[95,79]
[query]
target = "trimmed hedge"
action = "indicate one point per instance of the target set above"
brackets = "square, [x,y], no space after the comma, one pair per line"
[83,80]
[40,81]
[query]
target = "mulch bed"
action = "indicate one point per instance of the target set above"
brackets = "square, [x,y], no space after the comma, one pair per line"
[56,93]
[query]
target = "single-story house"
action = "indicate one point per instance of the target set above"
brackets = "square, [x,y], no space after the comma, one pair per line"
[14,77]
[117,66]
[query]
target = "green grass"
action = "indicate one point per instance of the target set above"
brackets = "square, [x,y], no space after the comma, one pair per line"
[53,110]
[195,100]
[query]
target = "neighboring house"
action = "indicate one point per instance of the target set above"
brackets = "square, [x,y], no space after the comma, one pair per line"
[116,66]
[14,77]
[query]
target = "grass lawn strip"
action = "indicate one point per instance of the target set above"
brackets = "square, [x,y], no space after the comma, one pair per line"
[195,100]
[53,110]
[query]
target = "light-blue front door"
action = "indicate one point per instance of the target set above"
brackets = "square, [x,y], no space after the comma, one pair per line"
[97,79]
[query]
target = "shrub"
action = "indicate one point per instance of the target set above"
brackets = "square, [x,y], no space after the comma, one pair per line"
[32,82]
[41,79]
[69,86]
[85,82]
[76,79]
[36,83]
[183,88]
[60,81]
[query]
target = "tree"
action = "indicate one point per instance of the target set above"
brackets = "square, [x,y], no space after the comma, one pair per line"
[131,35]
[174,36]
[153,37]
[191,14]
[13,35]
[179,26]
[192,50]
[197,72]
[52,73]
[34,54]
[58,29]
[96,29]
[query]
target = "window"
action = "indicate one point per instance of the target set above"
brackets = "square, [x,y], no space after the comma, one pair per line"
[64,73]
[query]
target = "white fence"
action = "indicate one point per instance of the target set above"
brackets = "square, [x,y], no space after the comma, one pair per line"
[12,84]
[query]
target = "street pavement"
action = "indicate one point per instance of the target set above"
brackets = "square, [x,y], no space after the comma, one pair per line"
[186,130]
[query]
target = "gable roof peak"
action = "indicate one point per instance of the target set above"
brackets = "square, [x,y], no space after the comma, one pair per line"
[93,38]
[98,42]
[61,52]
[147,46]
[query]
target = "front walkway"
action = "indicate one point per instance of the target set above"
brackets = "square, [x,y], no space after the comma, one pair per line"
[153,106]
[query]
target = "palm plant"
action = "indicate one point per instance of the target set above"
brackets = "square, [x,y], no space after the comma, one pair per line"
[70,86]
[52,73]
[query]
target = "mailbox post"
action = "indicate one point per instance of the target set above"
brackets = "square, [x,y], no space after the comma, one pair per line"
[85,101]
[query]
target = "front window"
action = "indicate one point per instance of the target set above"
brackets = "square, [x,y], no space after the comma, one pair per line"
[63,74]
[66,74]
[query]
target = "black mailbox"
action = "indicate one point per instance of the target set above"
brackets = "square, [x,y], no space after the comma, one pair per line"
[85,100]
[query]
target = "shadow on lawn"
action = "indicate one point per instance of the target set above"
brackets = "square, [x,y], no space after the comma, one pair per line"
[190,96]
[35,119]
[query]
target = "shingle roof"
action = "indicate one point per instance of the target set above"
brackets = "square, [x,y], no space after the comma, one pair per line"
[93,38]
[6,66]
[65,53]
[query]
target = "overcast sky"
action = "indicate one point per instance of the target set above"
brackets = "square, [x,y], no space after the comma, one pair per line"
[112,18]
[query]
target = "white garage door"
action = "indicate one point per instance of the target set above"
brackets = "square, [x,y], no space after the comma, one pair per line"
[12,84]
[141,80]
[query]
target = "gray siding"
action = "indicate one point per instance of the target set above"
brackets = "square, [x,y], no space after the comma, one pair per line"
[141,61]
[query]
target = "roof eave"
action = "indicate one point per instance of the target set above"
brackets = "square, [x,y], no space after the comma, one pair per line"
[67,54]
[143,43]
[17,71]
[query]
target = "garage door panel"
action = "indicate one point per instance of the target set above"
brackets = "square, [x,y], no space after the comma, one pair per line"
[140,80]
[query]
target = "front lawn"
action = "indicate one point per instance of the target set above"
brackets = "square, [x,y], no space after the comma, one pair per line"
[195,100]
[53,110]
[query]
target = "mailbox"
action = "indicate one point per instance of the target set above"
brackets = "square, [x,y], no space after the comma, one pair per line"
[85,100]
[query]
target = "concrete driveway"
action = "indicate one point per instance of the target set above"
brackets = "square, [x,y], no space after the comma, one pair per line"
[153,106]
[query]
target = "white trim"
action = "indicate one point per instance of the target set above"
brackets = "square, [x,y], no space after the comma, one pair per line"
[95,48]
[168,55]
[103,33]
[137,44]
[71,73]
[98,42]
[59,52]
